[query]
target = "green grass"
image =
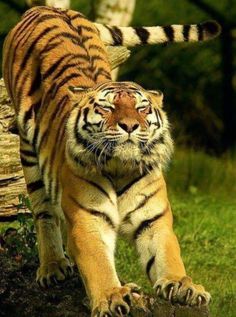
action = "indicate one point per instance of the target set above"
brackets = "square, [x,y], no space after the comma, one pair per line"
[203,198]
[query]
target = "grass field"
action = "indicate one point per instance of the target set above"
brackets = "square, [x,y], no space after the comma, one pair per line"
[202,192]
[203,197]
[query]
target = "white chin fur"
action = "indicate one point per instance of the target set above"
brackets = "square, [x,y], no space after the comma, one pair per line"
[127,151]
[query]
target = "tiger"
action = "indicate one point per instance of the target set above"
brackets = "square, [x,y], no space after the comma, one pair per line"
[93,152]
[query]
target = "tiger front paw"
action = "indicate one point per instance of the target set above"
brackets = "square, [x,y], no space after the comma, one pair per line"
[117,302]
[182,291]
[53,272]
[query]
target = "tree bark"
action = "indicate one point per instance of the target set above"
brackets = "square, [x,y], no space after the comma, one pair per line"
[12,182]
[63,4]
[113,12]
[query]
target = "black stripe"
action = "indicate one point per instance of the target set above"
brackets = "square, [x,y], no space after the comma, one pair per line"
[115,34]
[149,266]
[186,30]
[79,16]
[35,137]
[103,72]
[148,147]
[85,115]
[28,153]
[54,66]
[94,58]
[65,18]
[32,187]
[74,38]
[94,212]
[23,139]
[143,34]
[85,39]
[30,50]
[62,108]
[49,16]
[78,160]
[51,46]
[45,134]
[158,116]
[43,215]
[100,188]
[43,167]
[63,82]
[36,83]
[129,185]
[88,28]
[57,142]
[24,25]
[141,204]
[65,68]
[32,46]
[26,163]
[97,48]
[200,30]
[82,141]
[146,224]
[103,216]
[19,90]
[169,32]
[29,113]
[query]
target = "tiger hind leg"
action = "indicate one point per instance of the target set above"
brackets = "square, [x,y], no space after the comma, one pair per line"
[54,266]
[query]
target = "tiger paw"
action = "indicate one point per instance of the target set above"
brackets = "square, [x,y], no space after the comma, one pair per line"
[182,291]
[117,302]
[53,272]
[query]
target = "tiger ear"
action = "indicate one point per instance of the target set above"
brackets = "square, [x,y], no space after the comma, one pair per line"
[158,95]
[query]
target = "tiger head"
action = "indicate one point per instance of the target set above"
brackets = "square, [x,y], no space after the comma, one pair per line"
[119,121]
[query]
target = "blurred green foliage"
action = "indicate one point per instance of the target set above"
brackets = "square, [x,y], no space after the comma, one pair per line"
[190,75]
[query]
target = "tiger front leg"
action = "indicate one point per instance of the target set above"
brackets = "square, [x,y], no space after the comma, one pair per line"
[92,222]
[160,254]
[54,266]
[149,224]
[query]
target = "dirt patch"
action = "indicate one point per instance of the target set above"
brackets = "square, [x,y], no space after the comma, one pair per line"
[20,295]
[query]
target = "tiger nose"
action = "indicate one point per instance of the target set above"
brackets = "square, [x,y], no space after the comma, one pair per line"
[128,127]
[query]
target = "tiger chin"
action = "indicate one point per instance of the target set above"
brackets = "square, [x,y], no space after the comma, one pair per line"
[93,152]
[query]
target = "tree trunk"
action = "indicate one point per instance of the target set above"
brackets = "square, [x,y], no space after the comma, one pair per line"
[115,12]
[228,97]
[63,4]
[12,182]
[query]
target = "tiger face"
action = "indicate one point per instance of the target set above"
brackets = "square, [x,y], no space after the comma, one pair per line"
[123,121]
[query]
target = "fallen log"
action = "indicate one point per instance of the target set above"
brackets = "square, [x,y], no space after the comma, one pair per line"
[12,182]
